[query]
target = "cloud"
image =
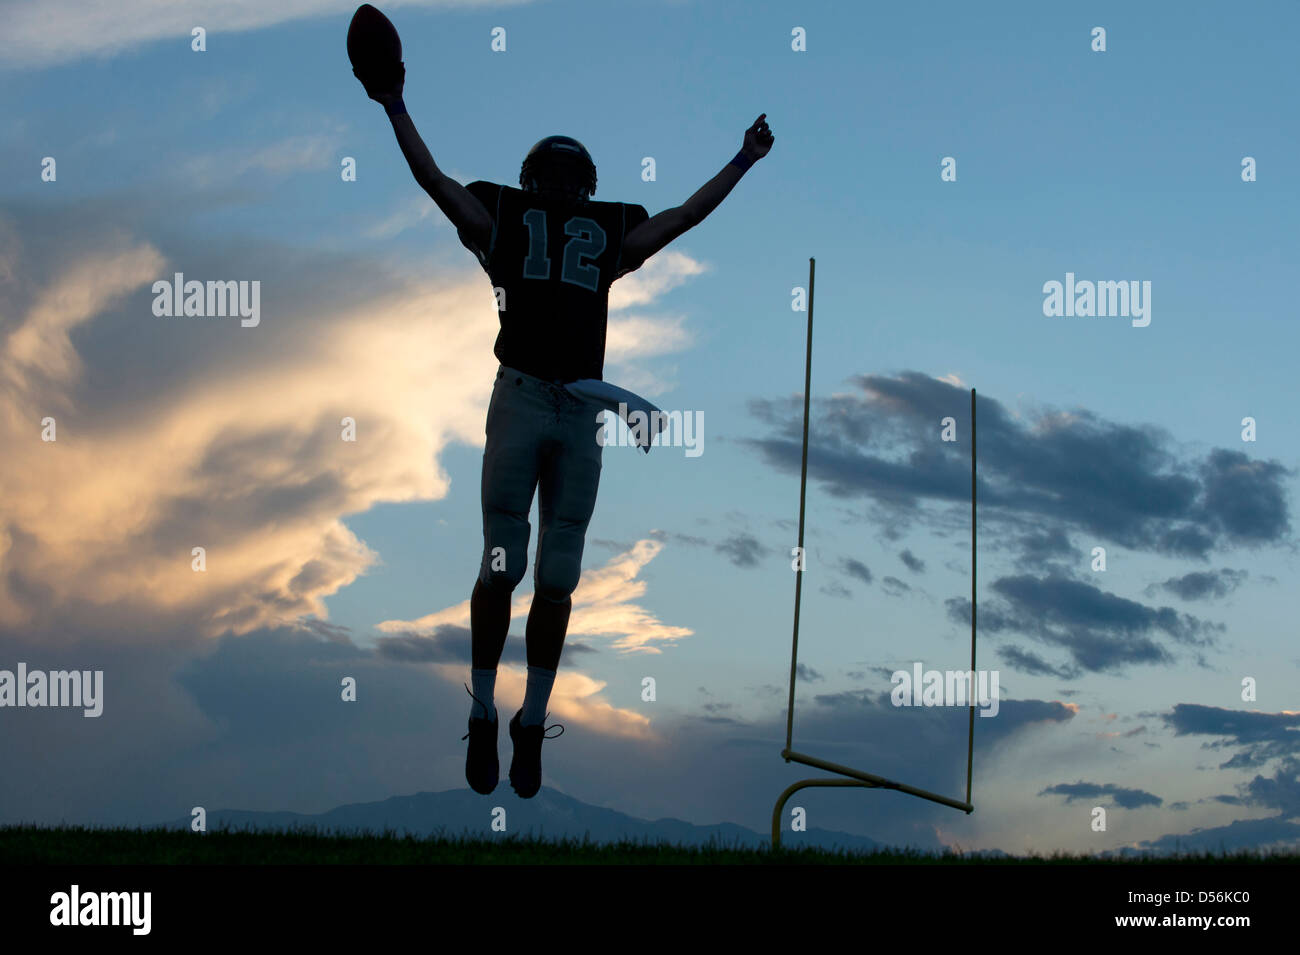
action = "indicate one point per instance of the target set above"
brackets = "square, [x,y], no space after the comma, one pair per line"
[645,336]
[575,699]
[1042,479]
[1041,547]
[631,338]
[1261,737]
[1127,734]
[855,568]
[1117,795]
[46,32]
[743,550]
[662,535]
[808,674]
[1101,632]
[914,563]
[603,606]
[452,644]
[37,353]
[241,456]
[1203,585]
[661,273]
[1281,791]
[1026,661]
[176,433]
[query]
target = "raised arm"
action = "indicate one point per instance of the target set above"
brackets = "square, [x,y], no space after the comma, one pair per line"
[457,203]
[657,231]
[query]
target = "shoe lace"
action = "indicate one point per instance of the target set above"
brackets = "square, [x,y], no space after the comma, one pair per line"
[553,726]
[476,700]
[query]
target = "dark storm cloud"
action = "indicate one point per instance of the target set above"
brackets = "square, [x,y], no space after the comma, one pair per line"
[855,568]
[1118,795]
[1101,632]
[743,550]
[808,674]
[1063,472]
[1259,736]
[1039,547]
[1281,791]
[914,563]
[1026,661]
[1203,585]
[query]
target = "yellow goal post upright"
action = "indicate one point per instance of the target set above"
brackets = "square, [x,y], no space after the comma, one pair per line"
[856,777]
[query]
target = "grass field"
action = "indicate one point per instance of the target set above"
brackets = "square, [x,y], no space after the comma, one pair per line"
[33,845]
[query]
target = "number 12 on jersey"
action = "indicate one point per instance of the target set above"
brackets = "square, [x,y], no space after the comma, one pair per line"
[587,240]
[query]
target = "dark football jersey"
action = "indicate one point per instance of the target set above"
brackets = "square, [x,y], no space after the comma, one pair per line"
[555,260]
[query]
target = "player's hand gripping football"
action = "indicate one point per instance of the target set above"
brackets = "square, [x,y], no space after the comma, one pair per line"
[385,96]
[758,139]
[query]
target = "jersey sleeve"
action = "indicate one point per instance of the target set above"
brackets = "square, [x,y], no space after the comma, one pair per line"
[488,193]
[633,216]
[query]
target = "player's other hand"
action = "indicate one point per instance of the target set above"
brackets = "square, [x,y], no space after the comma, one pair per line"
[758,139]
[393,91]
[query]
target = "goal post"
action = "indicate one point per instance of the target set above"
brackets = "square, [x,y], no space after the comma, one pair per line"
[856,777]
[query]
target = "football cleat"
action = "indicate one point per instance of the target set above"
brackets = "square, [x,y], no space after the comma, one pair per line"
[526,766]
[482,770]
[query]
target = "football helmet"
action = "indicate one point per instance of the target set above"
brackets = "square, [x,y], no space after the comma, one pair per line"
[560,158]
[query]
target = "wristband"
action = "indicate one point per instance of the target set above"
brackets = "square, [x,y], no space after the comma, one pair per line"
[741,160]
[396,108]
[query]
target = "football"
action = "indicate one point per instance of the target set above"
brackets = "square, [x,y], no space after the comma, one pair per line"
[374,48]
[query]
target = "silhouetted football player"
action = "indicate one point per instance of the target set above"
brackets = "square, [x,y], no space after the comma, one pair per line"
[554,253]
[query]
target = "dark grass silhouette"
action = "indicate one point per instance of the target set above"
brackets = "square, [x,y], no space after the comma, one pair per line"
[38,845]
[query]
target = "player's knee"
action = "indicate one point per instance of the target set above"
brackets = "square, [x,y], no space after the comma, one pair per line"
[557,578]
[500,580]
[502,569]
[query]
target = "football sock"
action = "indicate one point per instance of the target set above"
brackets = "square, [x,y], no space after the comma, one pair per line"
[536,696]
[485,682]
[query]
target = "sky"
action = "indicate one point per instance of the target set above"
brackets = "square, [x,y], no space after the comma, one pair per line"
[1162,686]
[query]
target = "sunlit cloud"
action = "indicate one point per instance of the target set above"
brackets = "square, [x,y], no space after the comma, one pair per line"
[179,433]
[645,336]
[661,273]
[575,699]
[249,464]
[604,605]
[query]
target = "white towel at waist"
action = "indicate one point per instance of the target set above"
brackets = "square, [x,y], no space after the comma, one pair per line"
[625,404]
